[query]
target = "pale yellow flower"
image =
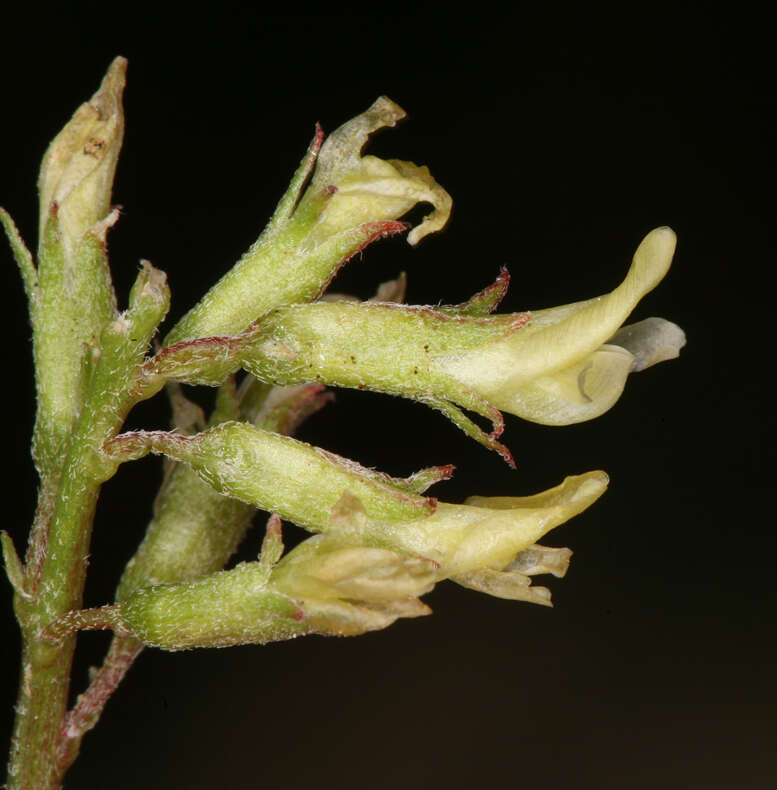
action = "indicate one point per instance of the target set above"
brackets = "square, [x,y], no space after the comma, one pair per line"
[490,543]
[369,189]
[570,363]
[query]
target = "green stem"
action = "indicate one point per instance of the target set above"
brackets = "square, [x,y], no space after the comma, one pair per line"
[63,547]
[39,532]
[45,680]
[40,710]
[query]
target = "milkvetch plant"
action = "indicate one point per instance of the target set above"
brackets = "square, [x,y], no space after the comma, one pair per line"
[270,339]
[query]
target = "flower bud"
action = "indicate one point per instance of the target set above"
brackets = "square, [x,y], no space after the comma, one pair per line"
[74,298]
[76,176]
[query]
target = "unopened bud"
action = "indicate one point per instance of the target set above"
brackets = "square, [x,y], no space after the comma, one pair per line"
[76,176]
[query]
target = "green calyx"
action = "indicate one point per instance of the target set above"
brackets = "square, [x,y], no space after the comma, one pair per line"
[222,609]
[265,469]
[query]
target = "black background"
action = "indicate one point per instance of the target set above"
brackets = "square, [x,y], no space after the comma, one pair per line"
[563,140]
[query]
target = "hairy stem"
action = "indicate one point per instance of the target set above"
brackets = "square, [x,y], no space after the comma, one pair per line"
[45,679]
[63,547]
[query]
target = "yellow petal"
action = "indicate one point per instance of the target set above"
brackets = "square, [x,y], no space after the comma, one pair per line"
[557,338]
[513,582]
[488,532]
[369,189]
[505,584]
[324,568]
[375,190]
[582,391]
[590,386]
[426,189]
[342,618]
